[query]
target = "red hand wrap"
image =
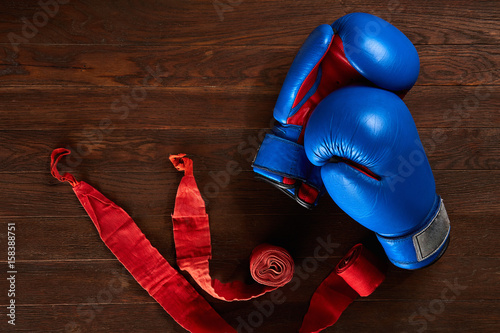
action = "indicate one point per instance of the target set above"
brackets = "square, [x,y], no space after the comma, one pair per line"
[357,273]
[193,248]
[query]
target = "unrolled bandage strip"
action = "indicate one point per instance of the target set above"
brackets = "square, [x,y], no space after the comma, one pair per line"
[357,273]
[122,236]
[272,265]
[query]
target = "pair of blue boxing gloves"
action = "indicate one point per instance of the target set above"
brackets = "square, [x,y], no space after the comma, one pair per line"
[342,126]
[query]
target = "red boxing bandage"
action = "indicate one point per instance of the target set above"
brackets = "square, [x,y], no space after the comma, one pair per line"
[122,236]
[271,266]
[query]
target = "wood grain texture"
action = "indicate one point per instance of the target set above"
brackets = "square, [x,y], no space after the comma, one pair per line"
[241,22]
[216,65]
[146,194]
[179,108]
[80,241]
[98,150]
[149,317]
[78,279]
[125,83]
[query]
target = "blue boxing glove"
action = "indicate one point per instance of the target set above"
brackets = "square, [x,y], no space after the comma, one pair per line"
[358,48]
[374,167]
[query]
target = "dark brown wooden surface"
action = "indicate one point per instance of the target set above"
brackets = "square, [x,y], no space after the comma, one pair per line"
[205,84]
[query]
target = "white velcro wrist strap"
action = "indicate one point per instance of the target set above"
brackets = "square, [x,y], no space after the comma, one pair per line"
[421,248]
[428,241]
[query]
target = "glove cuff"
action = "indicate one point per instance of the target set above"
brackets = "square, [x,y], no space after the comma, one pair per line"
[424,246]
[282,157]
[282,162]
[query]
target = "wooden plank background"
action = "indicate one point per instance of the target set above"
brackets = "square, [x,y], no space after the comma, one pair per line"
[125,83]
